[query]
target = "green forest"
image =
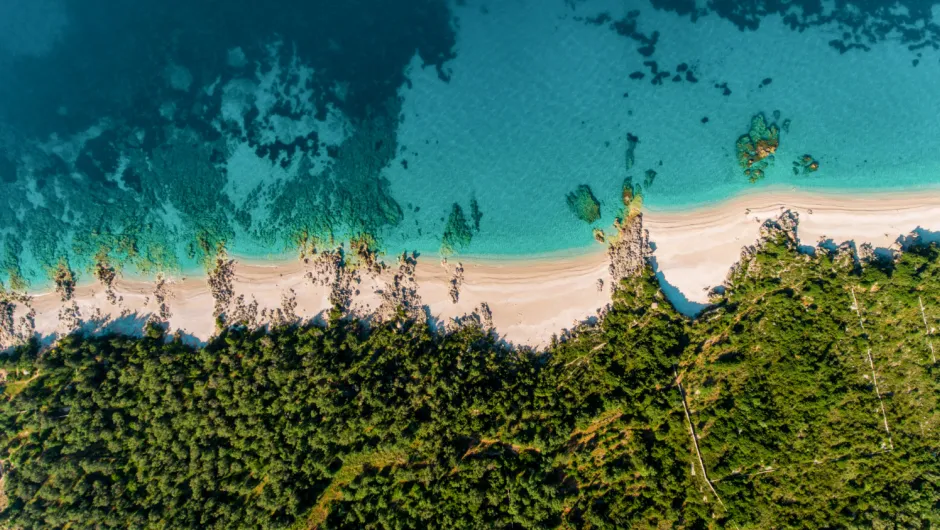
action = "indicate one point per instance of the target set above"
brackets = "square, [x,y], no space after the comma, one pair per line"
[805,397]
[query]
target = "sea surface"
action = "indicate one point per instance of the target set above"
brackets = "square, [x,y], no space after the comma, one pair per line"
[148,135]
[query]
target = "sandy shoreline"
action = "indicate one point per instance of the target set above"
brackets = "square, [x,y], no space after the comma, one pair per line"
[530,300]
[694,250]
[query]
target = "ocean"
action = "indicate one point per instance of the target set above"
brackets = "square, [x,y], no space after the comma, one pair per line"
[149,135]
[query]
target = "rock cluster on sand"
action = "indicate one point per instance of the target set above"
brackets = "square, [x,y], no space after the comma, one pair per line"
[401,294]
[160,296]
[628,254]
[64,281]
[244,313]
[456,280]
[70,318]
[583,204]
[221,281]
[364,247]
[12,331]
[755,150]
[330,270]
[106,276]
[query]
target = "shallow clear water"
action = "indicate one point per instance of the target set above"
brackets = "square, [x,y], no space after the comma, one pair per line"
[149,135]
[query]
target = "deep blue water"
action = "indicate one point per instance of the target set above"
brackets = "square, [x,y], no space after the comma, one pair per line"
[148,134]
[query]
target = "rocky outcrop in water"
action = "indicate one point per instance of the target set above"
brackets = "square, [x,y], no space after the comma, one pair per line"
[106,275]
[755,150]
[457,232]
[330,270]
[160,295]
[456,280]
[221,282]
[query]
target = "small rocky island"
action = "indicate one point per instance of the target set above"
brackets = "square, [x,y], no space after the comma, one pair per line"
[805,164]
[755,150]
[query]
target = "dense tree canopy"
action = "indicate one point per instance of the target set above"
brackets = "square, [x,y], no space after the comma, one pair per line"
[811,387]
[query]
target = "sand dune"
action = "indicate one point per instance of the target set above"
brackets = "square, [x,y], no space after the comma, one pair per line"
[530,300]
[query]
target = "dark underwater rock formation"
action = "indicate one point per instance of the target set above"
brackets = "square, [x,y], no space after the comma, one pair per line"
[584,204]
[475,214]
[457,232]
[632,142]
[648,178]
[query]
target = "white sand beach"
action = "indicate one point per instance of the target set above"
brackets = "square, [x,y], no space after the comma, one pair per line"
[694,250]
[530,300]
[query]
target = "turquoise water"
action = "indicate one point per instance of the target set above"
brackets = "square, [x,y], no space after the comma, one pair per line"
[150,135]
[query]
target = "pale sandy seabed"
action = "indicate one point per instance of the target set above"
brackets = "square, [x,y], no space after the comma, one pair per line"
[530,300]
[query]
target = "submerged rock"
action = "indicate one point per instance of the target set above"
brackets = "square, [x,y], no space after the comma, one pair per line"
[632,142]
[457,232]
[649,178]
[400,296]
[584,204]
